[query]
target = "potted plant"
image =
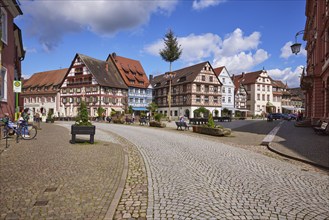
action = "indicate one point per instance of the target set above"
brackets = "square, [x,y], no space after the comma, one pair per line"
[211,129]
[50,118]
[83,125]
[157,122]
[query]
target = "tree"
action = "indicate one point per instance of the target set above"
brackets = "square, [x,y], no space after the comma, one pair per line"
[100,112]
[152,107]
[83,118]
[172,50]
[130,109]
[170,53]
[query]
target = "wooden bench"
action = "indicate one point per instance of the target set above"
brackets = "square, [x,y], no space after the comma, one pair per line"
[129,121]
[181,125]
[323,129]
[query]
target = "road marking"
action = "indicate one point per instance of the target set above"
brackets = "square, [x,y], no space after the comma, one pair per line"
[270,136]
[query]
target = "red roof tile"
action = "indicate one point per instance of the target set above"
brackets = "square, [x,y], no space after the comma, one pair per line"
[130,70]
[218,70]
[47,78]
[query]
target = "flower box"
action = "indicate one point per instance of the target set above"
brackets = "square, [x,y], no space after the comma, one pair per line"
[83,130]
[212,131]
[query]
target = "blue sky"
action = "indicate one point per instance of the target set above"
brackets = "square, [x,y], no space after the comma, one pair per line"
[242,35]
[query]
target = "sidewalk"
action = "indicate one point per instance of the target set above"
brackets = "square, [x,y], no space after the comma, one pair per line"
[302,143]
[298,143]
[51,178]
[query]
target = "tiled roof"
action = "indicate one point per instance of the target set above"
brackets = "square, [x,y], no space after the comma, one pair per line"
[130,70]
[185,75]
[218,70]
[251,78]
[105,73]
[237,80]
[278,83]
[47,78]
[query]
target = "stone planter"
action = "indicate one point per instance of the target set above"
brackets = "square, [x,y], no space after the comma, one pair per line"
[212,131]
[83,130]
[157,124]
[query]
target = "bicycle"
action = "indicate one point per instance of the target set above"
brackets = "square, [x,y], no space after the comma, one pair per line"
[21,129]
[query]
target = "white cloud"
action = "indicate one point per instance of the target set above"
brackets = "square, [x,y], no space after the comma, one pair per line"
[286,51]
[196,48]
[201,4]
[237,52]
[287,75]
[30,50]
[242,61]
[50,20]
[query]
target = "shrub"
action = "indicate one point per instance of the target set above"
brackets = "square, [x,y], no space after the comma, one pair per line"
[82,118]
[157,124]
[211,123]
[50,115]
[158,117]
[118,121]
[216,112]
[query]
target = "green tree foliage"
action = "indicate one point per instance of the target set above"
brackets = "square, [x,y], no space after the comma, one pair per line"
[130,109]
[216,112]
[172,50]
[100,112]
[83,117]
[211,123]
[200,110]
[113,112]
[225,112]
[158,117]
[152,107]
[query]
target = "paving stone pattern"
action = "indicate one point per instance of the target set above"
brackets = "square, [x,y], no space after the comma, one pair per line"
[133,201]
[194,178]
[49,178]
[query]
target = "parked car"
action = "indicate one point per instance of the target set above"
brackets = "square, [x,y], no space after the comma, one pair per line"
[274,116]
[286,117]
[293,116]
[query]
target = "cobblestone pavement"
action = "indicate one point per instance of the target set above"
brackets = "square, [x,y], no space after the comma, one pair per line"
[132,201]
[48,178]
[194,178]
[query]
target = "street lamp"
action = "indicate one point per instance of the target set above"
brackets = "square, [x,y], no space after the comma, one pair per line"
[295,48]
[170,76]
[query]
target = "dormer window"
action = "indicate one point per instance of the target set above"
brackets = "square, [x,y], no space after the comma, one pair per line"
[182,79]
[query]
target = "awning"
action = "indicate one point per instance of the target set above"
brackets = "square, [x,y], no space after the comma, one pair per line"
[117,109]
[269,104]
[291,108]
[230,108]
[242,110]
[139,109]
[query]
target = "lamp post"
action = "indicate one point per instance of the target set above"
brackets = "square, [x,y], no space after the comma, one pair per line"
[295,48]
[170,76]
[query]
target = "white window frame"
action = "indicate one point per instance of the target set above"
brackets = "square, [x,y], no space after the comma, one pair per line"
[4,26]
[4,85]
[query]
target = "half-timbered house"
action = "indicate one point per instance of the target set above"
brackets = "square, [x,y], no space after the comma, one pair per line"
[96,82]
[191,87]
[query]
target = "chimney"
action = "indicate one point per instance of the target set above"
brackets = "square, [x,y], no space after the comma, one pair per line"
[114,55]
[150,78]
